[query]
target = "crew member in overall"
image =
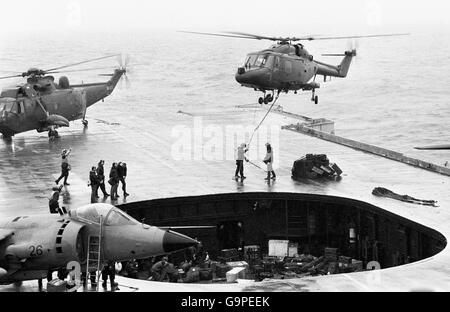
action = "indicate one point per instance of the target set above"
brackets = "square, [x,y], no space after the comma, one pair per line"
[65,167]
[101,177]
[268,160]
[240,157]
[94,182]
[122,173]
[114,181]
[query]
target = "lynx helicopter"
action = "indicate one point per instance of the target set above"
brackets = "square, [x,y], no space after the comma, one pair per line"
[42,104]
[287,65]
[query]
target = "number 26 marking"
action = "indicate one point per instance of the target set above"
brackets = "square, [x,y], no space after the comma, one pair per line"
[36,251]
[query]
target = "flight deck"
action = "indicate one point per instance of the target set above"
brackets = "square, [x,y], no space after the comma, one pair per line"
[158,169]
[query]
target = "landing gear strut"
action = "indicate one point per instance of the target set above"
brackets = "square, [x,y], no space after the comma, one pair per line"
[6,138]
[53,134]
[315,98]
[266,99]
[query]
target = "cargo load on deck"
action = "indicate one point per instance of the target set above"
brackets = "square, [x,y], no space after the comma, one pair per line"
[315,167]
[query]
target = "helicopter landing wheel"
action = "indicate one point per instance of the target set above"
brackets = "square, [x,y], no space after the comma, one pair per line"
[316,100]
[260,100]
[53,134]
[85,123]
[268,99]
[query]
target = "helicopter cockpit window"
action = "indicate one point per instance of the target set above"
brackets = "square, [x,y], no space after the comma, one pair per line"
[270,61]
[261,61]
[116,217]
[9,107]
[250,61]
[264,60]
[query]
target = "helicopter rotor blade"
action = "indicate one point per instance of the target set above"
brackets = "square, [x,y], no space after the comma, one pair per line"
[251,36]
[331,54]
[127,60]
[127,82]
[8,77]
[352,37]
[242,35]
[80,63]
[219,35]
[80,70]
[272,38]
[120,60]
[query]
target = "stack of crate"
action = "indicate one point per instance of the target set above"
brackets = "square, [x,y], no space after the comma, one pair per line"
[331,254]
[228,255]
[252,253]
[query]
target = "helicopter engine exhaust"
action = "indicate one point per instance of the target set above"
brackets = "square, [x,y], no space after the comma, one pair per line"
[64,82]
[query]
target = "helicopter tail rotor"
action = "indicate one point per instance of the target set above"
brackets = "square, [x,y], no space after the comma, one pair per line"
[124,64]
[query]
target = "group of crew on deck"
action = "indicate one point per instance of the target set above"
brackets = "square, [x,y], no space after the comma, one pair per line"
[117,174]
[97,178]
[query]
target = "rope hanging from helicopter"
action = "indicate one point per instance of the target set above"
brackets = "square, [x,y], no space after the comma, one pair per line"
[264,118]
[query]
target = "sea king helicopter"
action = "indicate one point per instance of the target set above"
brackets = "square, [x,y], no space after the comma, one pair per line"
[42,104]
[287,65]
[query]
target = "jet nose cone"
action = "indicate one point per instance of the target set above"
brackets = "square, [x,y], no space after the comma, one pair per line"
[3,272]
[173,241]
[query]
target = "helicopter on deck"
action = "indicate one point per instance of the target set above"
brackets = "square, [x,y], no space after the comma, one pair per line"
[287,65]
[42,104]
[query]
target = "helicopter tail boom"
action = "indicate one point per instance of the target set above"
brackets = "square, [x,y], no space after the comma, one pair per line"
[98,91]
[346,62]
[341,70]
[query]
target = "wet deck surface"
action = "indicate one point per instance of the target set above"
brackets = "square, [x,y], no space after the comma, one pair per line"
[30,164]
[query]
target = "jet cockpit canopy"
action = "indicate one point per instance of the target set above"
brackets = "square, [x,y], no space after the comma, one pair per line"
[105,213]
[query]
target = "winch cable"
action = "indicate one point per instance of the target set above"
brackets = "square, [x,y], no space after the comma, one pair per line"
[262,121]
[254,114]
[256,165]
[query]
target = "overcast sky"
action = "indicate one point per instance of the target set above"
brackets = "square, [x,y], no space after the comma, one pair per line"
[296,17]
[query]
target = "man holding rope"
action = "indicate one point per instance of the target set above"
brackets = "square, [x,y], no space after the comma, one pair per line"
[240,157]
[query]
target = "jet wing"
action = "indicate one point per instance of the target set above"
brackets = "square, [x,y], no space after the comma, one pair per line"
[4,234]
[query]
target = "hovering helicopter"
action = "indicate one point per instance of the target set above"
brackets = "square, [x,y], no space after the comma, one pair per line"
[287,65]
[42,104]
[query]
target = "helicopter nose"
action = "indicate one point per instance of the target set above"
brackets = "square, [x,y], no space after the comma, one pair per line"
[248,77]
[242,76]
[173,241]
